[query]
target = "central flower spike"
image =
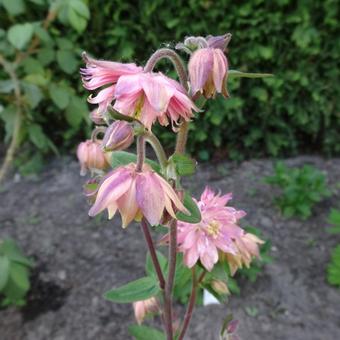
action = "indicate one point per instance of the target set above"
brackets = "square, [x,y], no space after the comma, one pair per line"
[152,96]
[136,194]
[217,235]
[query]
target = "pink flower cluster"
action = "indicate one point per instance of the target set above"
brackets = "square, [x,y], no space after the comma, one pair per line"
[217,235]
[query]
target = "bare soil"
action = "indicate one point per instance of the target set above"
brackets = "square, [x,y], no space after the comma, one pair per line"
[78,259]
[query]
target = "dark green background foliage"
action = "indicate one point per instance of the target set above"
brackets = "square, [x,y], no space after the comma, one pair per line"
[297,111]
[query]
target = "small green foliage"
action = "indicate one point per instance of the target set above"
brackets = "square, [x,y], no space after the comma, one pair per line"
[184,165]
[334,220]
[14,274]
[137,290]
[301,189]
[146,333]
[194,212]
[333,269]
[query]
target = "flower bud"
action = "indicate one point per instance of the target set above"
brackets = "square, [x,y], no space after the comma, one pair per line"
[145,307]
[220,287]
[118,136]
[91,157]
[97,117]
[219,41]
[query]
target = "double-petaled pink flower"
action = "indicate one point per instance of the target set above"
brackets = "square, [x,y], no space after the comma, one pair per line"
[99,73]
[152,96]
[208,70]
[216,235]
[136,194]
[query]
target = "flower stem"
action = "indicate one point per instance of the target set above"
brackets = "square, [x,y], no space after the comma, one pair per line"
[153,254]
[140,152]
[190,307]
[158,148]
[182,137]
[175,59]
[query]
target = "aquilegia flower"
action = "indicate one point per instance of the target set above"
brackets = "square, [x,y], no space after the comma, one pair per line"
[144,307]
[216,235]
[136,194]
[99,73]
[208,69]
[91,157]
[118,136]
[151,96]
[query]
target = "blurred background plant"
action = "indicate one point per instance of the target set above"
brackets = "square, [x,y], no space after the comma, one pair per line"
[294,112]
[40,105]
[333,268]
[14,274]
[301,189]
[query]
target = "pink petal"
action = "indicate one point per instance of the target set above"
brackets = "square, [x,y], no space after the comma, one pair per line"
[219,69]
[150,197]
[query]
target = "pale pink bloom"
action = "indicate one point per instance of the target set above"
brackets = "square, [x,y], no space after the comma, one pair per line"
[216,234]
[145,307]
[208,70]
[91,157]
[118,136]
[100,73]
[136,194]
[152,96]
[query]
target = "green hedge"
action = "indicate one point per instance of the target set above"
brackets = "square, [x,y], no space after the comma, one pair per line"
[297,111]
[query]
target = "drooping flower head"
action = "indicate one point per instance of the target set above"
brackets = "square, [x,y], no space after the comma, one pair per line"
[145,307]
[118,136]
[136,194]
[216,235]
[91,157]
[99,73]
[152,96]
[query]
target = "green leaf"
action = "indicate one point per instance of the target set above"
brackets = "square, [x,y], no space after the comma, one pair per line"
[239,74]
[19,275]
[76,111]
[333,269]
[19,35]
[37,136]
[46,56]
[140,289]
[334,219]
[4,271]
[146,333]
[195,214]
[78,14]
[67,61]
[120,158]
[6,86]
[149,267]
[59,95]
[185,166]
[33,94]
[14,7]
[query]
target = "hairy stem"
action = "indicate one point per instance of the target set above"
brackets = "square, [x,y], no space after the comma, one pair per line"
[158,148]
[175,59]
[140,153]
[9,69]
[190,307]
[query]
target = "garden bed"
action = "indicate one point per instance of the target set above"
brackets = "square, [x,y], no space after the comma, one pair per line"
[78,259]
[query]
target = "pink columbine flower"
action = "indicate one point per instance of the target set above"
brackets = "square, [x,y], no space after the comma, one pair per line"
[145,307]
[100,73]
[152,96]
[91,157]
[217,233]
[136,194]
[118,136]
[208,70]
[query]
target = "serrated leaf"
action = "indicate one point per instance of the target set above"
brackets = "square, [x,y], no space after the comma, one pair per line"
[239,74]
[195,214]
[14,7]
[19,35]
[140,289]
[78,14]
[146,333]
